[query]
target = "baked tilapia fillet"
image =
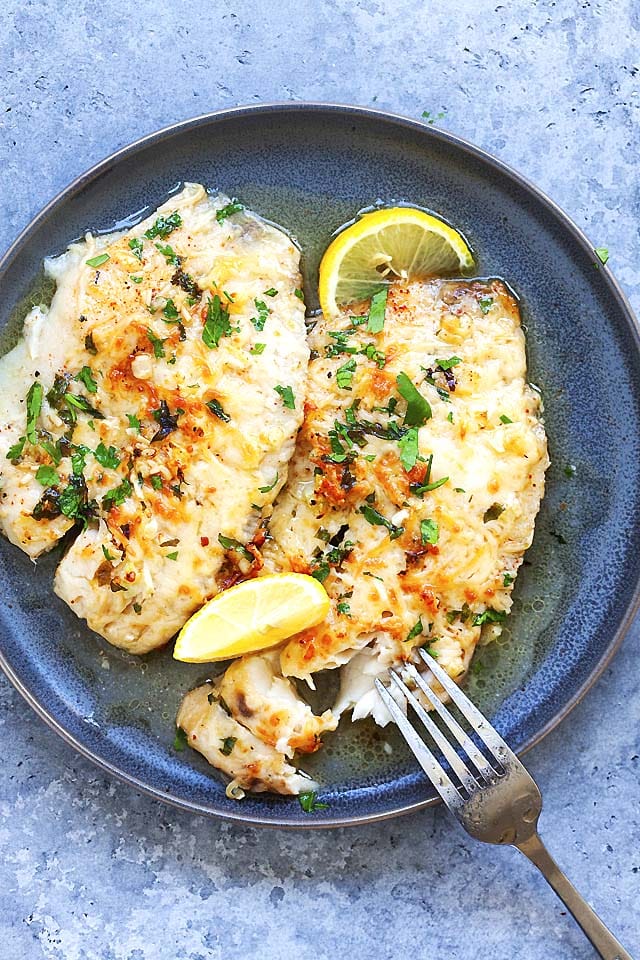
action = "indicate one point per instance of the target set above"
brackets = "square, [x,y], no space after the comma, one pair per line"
[412,493]
[155,405]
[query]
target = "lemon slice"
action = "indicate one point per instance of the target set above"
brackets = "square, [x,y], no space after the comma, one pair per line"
[252,616]
[381,246]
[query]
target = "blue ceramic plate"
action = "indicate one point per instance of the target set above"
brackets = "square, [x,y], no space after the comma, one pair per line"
[310,168]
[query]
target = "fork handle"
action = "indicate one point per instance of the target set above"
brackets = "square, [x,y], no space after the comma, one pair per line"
[600,936]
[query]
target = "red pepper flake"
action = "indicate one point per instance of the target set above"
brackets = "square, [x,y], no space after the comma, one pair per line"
[204,541]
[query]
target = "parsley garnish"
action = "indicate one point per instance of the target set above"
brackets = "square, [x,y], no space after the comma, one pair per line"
[493,512]
[79,458]
[377,520]
[227,745]
[86,376]
[485,304]
[169,254]
[107,457]
[409,448]
[99,260]
[375,320]
[163,226]
[34,406]
[156,481]
[234,206]
[344,374]
[107,554]
[489,616]
[602,254]
[270,487]
[309,803]
[117,496]
[180,740]
[136,246]
[447,364]
[15,452]
[428,487]
[508,579]
[416,630]
[298,293]
[170,311]
[216,409]
[172,556]
[134,423]
[257,349]
[217,324]
[157,344]
[81,403]
[570,470]
[47,476]
[344,608]
[505,419]
[418,409]
[271,292]
[321,572]
[263,313]
[429,531]
[287,396]
[74,502]
[450,416]
[230,544]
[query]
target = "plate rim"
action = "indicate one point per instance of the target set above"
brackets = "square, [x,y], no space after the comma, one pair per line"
[445,137]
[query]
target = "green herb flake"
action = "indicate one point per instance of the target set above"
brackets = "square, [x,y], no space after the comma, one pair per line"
[86,376]
[321,572]
[108,457]
[136,246]
[505,419]
[429,531]
[271,292]
[450,416]
[164,226]
[263,314]
[169,254]
[74,501]
[570,470]
[288,398]
[602,253]
[432,118]
[172,556]
[270,487]
[489,616]
[15,451]
[170,311]
[309,803]
[448,364]
[234,206]
[217,410]
[408,445]
[135,279]
[98,261]
[428,487]
[227,745]
[344,374]
[376,519]
[89,345]
[494,511]
[180,740]
[217,324]
[507,580]
[344,608]
[107,554]
[157,343]
[375,320]
[298,293]
[257,349]
[79,456]
[34,406]
[156,481]
[485,304]
[117,496]
[416,630]
[47,476]
[418,409]
[134,423]
[228,543]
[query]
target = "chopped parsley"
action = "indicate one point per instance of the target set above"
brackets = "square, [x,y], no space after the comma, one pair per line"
[86,376]
[74,402]
[344,608]
[217,410]
[448,364]
[418,409]
[263,313]
[288,398]
[298,293]
[485,304]
[321,572]
[508,579]
[107,554]
[493,512]
[74,500]
[34,406]
[408,445]
[79,456]
[257,349]
[108,457]
[234,206]
[135,279]
[163,226]
[340,344]
[99,260]
[371,353]
[377,520]
[505,419]
[428,487]
[217,324]
[416,630]
[170,311]
[489,616]
[172,556]
[309,803]
[227,745]
[375,320]
[180,740]
[136,246]
[344,374]
[47,476]
[230,544]
[169,254]
[602,253]
[570,470]
[270,486]
[134,423]
[157,343]
[271,292]
[429,531]
[117,496]
[15,451]
[450,416]
[156,481]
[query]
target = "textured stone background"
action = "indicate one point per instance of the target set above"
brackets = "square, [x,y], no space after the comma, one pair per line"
[88,869]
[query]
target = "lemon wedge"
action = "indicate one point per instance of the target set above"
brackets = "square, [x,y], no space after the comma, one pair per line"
[384,245]
[252,616]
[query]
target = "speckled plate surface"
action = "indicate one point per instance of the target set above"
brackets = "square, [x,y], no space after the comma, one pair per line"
[310,168]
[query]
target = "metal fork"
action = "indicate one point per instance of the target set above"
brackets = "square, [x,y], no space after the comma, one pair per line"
[494,798]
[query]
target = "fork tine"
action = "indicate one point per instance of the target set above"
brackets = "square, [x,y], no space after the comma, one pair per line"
[464,775]
[480,724]
[423,755]
[476,756]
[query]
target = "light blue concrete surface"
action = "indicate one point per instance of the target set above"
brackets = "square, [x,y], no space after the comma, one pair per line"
[88,869]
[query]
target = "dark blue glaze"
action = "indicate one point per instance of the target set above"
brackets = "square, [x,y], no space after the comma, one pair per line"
[310,168]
